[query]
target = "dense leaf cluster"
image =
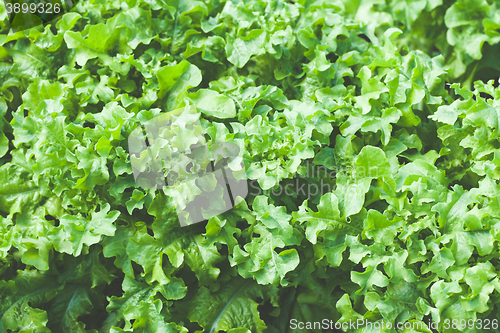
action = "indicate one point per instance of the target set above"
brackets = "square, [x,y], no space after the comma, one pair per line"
[389,105]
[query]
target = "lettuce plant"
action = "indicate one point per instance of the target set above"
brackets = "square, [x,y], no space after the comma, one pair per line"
[369,135]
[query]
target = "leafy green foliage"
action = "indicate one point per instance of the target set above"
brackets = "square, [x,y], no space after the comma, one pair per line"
[369,134]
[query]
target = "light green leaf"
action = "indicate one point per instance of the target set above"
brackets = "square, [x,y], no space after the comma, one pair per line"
[213,104]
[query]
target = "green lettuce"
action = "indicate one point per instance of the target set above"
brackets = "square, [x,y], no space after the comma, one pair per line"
[368,131]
